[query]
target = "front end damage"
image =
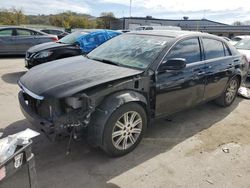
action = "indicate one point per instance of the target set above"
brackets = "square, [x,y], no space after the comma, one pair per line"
[84,112]
[57,117]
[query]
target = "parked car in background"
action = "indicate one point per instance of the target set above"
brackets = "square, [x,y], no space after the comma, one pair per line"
[236,39]
[59,33]
[17,40]
[77,43]
[243,47]
[113,92]
[123,31]
[151,27]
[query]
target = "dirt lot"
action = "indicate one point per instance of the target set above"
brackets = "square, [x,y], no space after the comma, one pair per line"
[184,151]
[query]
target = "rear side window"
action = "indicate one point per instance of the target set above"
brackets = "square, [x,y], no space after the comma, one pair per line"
[55,32]
[188,49]
[6,32]
[23,32]
[213,48]
[46,31]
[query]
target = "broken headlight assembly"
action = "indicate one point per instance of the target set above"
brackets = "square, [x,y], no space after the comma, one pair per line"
[78,109]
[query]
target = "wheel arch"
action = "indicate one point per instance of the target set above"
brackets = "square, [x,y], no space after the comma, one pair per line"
[102,113]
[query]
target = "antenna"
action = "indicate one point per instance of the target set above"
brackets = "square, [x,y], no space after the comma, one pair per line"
[130,7]
[204,14]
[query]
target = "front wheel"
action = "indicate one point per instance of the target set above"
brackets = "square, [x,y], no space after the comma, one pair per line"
[229,95]
[124,129]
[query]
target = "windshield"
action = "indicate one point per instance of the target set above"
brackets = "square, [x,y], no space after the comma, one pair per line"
[135,51]
[244,44]
[71,38]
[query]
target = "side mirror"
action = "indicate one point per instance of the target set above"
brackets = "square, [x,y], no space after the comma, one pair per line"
[173,64]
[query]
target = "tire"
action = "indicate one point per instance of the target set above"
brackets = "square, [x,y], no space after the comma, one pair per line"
[119,137]
[230,93]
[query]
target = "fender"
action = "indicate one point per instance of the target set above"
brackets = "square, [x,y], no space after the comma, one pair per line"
[102,113]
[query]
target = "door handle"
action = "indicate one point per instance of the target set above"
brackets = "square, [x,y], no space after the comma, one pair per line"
[230,66]
[236,60]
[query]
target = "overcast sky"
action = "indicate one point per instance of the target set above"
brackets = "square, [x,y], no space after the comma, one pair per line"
[226,11]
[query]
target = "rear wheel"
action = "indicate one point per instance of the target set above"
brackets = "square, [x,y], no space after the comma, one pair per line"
[124,129]
[229,95]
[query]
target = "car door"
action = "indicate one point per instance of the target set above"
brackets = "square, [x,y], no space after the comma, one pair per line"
[219,66]
[179,89]
[24,39]
[7,43]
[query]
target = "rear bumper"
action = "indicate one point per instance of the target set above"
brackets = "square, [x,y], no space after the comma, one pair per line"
[41,123]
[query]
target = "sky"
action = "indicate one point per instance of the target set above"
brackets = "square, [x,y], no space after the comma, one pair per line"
[226,11]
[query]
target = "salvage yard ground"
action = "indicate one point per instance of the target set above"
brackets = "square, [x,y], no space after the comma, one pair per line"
[206,146]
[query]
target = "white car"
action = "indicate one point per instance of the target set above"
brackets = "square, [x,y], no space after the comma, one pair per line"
[237,39]
[243,46]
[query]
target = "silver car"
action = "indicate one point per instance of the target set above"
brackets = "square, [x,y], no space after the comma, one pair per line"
[17,40]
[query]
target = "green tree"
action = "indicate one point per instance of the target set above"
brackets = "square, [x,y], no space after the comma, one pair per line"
[12,17]
[105,19]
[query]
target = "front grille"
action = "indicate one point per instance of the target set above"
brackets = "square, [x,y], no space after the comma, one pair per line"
[40,107]
[47,109]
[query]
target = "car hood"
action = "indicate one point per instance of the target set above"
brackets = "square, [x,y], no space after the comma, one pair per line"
[47,46]
[65,77]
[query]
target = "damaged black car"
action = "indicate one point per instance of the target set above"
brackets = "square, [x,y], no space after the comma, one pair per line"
[112,94]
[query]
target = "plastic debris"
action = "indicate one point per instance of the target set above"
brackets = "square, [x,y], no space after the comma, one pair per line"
[244,92]
[8,144]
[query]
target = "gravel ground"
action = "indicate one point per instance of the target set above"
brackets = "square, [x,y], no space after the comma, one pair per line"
[206,146]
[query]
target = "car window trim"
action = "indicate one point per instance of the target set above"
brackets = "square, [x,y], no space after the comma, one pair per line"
[205,37]
[176,43]
[227,48]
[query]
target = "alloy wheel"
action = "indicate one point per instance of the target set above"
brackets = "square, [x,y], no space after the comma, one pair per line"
[127,130]
[231,91]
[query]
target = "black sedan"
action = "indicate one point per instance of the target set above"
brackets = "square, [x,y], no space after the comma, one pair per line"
[77,43]
[121,86]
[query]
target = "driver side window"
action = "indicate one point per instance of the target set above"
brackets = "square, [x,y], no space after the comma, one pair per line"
[188,49]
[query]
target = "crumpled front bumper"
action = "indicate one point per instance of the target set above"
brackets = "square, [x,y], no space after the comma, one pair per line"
[41,123]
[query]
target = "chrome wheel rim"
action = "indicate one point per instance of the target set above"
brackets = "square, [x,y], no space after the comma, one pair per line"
[127,130]
[231,91]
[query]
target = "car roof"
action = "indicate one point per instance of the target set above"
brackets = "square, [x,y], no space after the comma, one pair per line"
[171,33]
[19,27]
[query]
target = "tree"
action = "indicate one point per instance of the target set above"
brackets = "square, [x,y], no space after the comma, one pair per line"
[70,20]
[105,20]
[237,23]
[19,17]
[12,17]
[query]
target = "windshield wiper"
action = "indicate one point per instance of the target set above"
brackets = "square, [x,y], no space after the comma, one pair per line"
[105,61]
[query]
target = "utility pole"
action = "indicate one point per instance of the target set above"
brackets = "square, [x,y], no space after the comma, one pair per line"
[130,7]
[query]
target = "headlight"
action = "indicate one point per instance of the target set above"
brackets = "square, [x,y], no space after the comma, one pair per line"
[43,54]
